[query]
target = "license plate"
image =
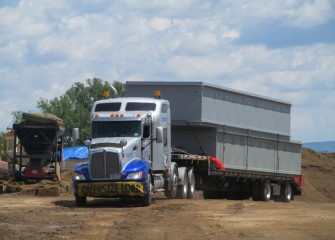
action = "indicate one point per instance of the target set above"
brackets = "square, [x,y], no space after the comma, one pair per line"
[100,189]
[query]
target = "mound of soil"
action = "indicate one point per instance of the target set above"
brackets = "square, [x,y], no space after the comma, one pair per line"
[319,174]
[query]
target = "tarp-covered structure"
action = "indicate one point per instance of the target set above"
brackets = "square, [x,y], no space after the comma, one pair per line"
[75,153]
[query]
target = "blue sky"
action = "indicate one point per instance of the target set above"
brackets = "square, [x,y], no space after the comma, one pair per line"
[283,49]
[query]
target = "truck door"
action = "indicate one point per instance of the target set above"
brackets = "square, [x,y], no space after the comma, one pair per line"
[162,151]
[146,142]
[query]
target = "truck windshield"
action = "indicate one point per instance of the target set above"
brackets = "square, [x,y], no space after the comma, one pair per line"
[116,129]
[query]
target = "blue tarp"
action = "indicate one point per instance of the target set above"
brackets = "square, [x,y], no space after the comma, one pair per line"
[75,153]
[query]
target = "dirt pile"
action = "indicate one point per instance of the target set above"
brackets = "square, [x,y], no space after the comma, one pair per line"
[319,173]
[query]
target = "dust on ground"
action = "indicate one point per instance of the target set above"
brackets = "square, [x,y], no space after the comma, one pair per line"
[26,215]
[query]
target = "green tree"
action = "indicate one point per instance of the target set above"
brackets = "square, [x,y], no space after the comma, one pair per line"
[17,116]
[120,88]
[3,145]
[75,105]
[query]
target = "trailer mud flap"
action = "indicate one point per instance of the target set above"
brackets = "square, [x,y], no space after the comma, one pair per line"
[105,189]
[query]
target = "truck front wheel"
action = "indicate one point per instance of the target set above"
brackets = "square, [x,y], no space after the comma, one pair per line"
[171,193]
[80,201]
[147,199]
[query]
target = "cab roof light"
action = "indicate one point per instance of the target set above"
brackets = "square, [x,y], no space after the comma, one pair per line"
[138,115]
[121,115]
[157,94]
[96,115]
[112,115]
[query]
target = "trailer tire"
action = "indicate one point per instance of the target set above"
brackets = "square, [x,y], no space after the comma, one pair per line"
[147,199]
[265,191]
[80,201]
[171,193]
[255,193]
[182,189]
[286,192]
[191,183]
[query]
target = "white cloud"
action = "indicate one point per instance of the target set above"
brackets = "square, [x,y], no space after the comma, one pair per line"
[313,124]
[15,53]
[77,22]
[303,14]
[47,47]
[231,33]
[202,67]
[160,24]
[312,13]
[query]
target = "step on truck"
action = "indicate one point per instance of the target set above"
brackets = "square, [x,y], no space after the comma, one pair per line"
[189,136]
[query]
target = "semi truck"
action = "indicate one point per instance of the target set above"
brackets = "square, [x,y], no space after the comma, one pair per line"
[176,137]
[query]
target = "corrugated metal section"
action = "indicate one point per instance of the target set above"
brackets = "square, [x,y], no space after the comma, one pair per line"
[206,103]
[105,165]
[259,154]
[246,132]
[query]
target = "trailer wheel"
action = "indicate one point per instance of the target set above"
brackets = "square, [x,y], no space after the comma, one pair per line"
[255,193]
[171,193]
[286,192]
[182,189]
[80,201]
[191,183]
[265,190]
[147,199]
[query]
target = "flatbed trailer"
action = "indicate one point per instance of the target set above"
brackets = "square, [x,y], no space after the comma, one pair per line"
[247,136]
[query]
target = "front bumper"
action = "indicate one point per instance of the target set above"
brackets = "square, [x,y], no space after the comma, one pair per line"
[109,189]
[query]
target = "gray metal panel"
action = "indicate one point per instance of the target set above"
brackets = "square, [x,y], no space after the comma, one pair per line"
[234,156]
[261,160]
[196,141]
[260,155]
[185,101]
[223,107]
[201,102]
[289,158]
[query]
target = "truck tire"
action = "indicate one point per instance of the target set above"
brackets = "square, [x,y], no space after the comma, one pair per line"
[147,199]
[182,189]
[80,201]
[286,192]
[265,191]
[255,191]
[191,183]
[171,193]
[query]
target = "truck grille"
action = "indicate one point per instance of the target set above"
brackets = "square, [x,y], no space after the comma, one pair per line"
[105,165]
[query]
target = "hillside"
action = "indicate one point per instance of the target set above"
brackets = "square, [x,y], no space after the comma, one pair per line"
[319,173]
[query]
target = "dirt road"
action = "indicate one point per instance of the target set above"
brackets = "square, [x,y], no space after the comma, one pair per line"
[310,216]
[30,217]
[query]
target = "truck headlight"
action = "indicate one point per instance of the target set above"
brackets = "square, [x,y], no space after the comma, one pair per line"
[135,175]
[78,177]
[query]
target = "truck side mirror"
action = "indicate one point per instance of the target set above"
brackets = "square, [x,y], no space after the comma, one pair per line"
[159,134]
[75,134]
